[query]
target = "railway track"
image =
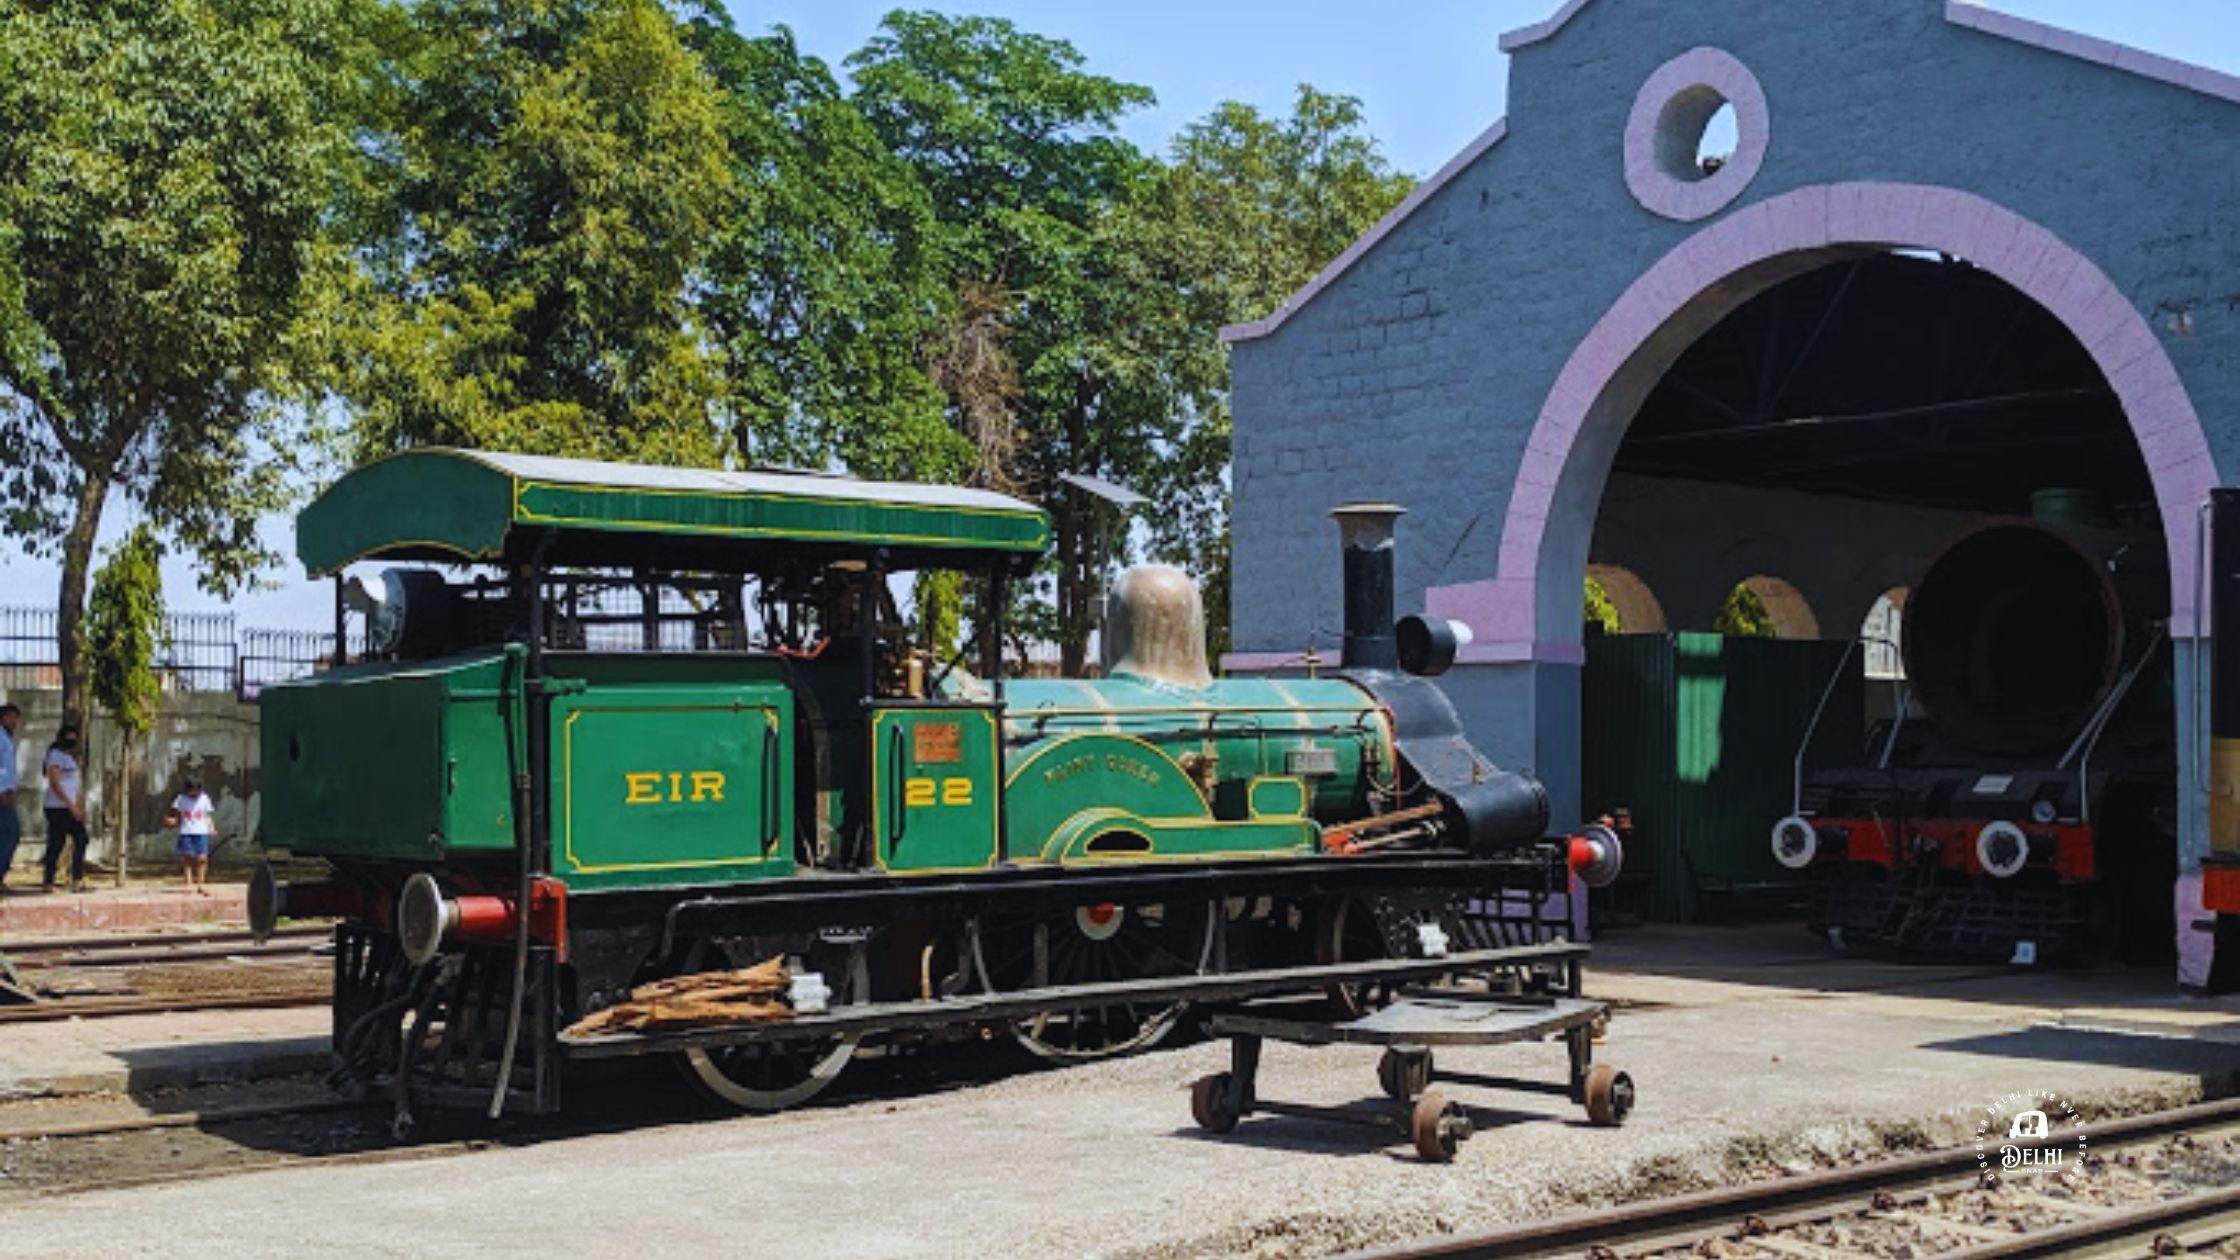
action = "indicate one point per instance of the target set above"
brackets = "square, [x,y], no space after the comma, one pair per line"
[2165,1183]
[46,1154]
[101,976]
[125,1152]
[121,951]
[103,1007]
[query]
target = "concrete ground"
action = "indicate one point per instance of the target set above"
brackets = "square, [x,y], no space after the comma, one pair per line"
[1751,1050]
[139,1053]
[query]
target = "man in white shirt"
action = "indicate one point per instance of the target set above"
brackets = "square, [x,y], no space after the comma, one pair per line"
[11,825]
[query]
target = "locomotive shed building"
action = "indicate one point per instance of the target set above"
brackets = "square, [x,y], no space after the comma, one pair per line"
[1955,258]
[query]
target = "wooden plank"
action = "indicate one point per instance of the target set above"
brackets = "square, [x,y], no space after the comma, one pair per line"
[1795,1248]
[2051,1204]
[1942,1225]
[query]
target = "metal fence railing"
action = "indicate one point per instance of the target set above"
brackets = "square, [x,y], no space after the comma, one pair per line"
[208,652]
[27,647]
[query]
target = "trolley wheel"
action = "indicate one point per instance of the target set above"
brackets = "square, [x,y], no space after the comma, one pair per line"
[1403,1074]
[1609,1095]
[1438,1126]
[1213,1102]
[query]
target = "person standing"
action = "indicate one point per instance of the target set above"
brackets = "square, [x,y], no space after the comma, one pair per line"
[191,812]
[11,826]
[65,802]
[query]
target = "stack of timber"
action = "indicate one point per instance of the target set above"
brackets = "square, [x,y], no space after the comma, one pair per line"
[749,995]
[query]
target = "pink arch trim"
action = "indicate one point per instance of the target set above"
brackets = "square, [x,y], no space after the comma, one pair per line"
[1878,215]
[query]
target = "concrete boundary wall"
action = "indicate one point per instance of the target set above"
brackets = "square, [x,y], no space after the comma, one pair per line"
[211,734]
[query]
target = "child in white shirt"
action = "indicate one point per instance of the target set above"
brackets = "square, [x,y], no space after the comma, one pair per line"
[191,812]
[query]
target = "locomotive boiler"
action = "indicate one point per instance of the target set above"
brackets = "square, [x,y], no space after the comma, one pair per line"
[2020,803]
[663,723]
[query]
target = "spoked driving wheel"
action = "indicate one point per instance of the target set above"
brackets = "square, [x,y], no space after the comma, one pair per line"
[1349,932]
[771,1076]
[1087,944]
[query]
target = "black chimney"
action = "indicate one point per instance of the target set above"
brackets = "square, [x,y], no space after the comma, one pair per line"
[1365,534]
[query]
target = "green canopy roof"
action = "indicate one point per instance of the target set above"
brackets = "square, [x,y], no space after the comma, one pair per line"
[482,506]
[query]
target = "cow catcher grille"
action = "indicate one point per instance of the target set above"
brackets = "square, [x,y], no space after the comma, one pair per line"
[435,1034]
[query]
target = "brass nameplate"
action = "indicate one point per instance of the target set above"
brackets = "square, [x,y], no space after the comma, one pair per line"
[937,743]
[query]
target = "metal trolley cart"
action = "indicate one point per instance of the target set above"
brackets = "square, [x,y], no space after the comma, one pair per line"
[1462,1010]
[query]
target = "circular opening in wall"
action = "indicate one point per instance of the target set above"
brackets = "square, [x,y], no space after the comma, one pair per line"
[1696,133]
[1696,136]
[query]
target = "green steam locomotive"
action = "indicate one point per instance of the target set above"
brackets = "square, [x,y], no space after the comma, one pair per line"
[656,723]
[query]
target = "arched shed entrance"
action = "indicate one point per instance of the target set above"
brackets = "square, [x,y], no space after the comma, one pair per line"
[1506,324]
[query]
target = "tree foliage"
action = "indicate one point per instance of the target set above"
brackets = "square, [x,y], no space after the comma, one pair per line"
[1744,615]
[826,283]
[1245,212]
[543,177]
[124,627]
[1016,147]
[165,170]
[623,229]
[1600,611]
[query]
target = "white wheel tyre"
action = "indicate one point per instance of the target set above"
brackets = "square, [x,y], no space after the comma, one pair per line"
[738,1076]
[1795,842]
[2002,849]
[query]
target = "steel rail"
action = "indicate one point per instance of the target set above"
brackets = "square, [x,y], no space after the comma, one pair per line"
[2093,1233]
[40,959]
[180,1119]
[28,947]
[1682,1218]
[102,1008]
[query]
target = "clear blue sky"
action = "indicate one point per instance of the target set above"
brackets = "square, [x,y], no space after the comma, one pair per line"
[1428,71]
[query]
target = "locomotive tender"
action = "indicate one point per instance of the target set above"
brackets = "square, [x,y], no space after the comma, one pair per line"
[670,721]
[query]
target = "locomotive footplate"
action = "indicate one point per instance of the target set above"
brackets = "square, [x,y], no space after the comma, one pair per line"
[1423,1017]
[964,1009]
[821,900]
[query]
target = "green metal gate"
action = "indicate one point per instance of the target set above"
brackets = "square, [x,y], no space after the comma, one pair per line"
[1697,735]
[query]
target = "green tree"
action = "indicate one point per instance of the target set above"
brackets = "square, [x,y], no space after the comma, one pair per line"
[1016,147]
[165,166]
[541,191]
[1744,615]
[124,624]
[1248,208]
[826,282]
[1599,610]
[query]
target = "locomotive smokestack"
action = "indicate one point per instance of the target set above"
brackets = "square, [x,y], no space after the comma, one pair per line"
[1365,535]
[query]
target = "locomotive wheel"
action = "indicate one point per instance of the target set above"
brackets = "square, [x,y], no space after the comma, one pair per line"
[1086,944]
[1437,1126]
[1349,932]
[772,1076]
[1609,1095]
[1213,1102]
